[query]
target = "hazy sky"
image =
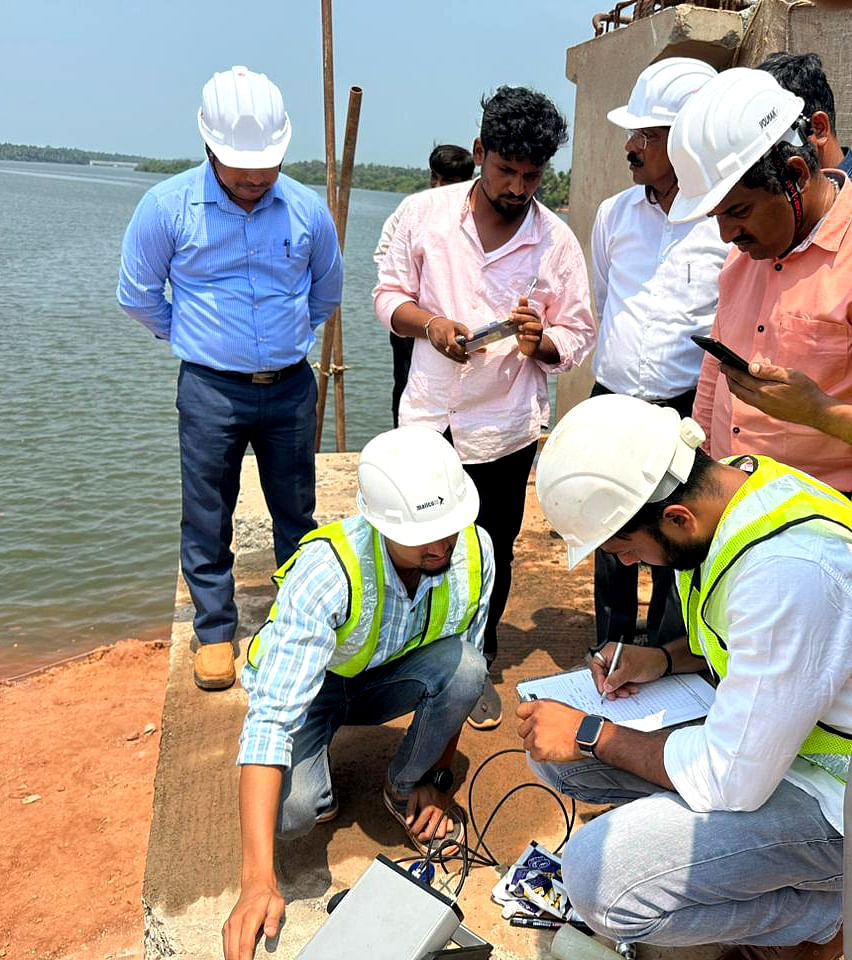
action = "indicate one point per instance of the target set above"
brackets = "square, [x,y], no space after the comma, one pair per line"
[126,75]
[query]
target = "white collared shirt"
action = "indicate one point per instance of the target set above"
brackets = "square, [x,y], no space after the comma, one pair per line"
[655,284]
[789,608]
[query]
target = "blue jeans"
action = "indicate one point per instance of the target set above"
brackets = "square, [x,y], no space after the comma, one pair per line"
[218,418]
[440,683]
[656,871]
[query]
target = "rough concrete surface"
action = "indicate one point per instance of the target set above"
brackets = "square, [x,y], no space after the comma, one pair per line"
[604,70]
[192,874]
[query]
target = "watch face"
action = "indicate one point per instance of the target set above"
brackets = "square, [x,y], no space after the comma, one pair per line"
[443,780]
[589,731]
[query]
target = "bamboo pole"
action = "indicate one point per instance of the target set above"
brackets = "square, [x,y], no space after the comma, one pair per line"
[328,103]
[353,114]
[333,321]
[350,138]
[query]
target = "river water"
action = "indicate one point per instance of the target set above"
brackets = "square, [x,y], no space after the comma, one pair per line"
[89,469]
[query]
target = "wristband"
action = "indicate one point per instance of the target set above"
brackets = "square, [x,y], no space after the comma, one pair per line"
[669,665]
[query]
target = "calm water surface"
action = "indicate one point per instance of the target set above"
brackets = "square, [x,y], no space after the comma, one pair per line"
[89,475]
[89,469]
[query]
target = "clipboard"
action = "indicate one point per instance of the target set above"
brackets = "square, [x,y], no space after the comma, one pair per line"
[661,703]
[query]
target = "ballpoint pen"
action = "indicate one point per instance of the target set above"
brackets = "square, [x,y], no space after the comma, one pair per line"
[619,647]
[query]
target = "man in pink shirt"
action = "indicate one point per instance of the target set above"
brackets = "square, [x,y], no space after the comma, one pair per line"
[741,152]
[463,257]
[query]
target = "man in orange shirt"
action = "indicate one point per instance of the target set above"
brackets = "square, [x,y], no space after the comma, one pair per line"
[741,152]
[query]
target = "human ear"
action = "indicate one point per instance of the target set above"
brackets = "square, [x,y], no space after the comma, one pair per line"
[821,127]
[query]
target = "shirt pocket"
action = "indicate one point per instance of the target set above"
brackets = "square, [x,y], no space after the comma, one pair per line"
[290,263]
[816,345]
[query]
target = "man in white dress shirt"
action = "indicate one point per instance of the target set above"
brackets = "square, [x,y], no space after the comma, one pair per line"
[655,284]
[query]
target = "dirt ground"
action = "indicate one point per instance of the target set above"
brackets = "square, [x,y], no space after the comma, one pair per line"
[77,759]
[79,751]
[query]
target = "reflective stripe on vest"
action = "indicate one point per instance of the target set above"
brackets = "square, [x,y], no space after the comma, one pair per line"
[442,617]
[747,522]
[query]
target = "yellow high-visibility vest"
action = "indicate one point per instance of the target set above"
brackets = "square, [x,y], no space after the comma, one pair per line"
[772,499]
[451,604]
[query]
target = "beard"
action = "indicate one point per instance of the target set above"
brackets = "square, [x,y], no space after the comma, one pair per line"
[434,569]
[505,206]
[682,556]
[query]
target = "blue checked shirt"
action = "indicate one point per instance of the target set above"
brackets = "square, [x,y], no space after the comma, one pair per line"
[248,288]
[312,601]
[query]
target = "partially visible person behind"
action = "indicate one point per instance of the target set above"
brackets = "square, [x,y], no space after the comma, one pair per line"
[466,256]
[730,830]
[253,263]
[802,74]
[655,284]
[447,164]
[378,615]
[741,152]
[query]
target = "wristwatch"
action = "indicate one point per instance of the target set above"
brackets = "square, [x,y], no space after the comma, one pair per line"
[441,778]
[588,734]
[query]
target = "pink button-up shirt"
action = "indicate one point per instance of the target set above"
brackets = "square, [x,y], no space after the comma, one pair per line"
[497,402]
[795,312]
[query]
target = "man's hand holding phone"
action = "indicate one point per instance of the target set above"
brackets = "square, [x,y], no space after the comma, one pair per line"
[442,333]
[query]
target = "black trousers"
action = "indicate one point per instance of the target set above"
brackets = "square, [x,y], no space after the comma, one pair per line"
[616,585]
[502,488]
[402,348]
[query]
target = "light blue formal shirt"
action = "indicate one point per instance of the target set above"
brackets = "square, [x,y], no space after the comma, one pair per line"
[312,601]
[248,288]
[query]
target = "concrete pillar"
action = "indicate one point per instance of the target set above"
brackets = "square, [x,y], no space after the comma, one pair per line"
[604,70]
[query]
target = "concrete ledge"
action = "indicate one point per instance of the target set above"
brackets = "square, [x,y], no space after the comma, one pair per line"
[192,873]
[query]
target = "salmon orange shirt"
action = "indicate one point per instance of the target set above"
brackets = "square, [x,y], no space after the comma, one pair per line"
[795,312]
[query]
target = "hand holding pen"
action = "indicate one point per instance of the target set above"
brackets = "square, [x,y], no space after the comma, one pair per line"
[624,666]
[613,666]
[605,666]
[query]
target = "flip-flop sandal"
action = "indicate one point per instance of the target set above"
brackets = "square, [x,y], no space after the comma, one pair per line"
[487,712]
[448,845]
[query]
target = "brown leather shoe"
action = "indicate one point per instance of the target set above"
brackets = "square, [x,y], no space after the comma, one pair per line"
[214,666]
[832,950]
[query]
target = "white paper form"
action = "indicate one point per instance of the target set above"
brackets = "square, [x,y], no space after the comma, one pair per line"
[661,703]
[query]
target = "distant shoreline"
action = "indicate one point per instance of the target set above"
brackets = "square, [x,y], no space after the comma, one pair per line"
[554,191]
[366,176]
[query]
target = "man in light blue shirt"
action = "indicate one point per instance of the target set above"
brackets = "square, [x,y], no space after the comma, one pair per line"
[254,267]
[378,615]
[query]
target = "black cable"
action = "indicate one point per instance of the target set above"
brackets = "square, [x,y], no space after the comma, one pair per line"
[472,857]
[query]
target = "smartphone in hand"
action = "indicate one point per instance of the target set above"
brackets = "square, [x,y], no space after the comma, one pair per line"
[718,349]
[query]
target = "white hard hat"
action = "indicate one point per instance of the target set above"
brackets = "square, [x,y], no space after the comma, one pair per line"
[242,119]
[722,131]
[412,487]
[660,91]
[607,458]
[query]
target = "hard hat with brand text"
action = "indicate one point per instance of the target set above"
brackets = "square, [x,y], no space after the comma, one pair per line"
[242,119]
[660,92]
[412,487]
[607,458]
[722,131]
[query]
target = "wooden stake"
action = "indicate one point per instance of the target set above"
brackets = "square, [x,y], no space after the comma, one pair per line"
[353,114]
[333,321]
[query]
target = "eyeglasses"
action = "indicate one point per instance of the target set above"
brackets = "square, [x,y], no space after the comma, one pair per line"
[642,139]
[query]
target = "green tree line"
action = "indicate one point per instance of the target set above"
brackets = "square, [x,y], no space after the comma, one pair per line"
[554,190]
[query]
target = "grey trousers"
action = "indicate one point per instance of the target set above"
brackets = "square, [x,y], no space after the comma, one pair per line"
[654,870]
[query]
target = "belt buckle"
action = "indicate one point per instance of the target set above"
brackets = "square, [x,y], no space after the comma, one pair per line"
[265,376]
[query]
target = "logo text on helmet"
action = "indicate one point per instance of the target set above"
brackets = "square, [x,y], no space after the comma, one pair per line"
[773,113]
[430,503]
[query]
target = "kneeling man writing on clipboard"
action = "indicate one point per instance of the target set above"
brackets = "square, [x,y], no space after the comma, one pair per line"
[733,832]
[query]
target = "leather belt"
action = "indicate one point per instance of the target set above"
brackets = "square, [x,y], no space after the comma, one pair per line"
[264,377]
